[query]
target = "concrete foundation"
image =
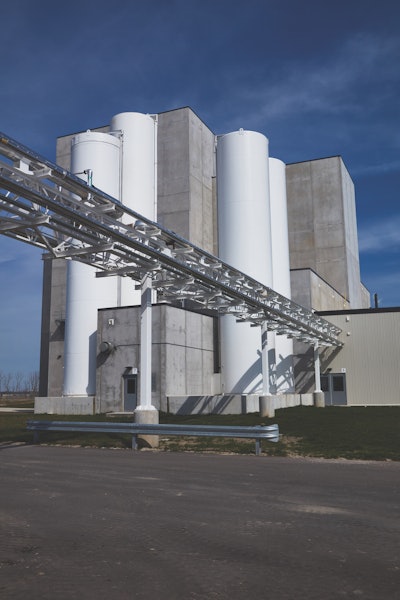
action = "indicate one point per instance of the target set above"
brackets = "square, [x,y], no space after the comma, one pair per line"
[222,404]
[319,399]
[66,405]
[147,416]
[233,404]
[267,406]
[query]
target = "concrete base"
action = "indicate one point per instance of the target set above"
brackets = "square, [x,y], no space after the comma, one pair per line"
[148,415]
[267,406]
[66,405]
[230,404]
[319,399]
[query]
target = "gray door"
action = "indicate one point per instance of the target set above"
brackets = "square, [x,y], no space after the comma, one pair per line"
[334,387]
[130,392]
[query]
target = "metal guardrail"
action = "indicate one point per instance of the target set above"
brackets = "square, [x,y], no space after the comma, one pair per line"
[258,432]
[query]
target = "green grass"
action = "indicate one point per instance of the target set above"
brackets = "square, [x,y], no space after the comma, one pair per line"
[371,433]
[13,430]
[22,401]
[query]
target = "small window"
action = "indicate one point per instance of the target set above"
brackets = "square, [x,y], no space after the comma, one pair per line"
[338,383]
[324,383]
[131,385]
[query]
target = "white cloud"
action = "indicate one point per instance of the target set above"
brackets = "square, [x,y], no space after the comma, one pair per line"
[354,80]
[386,167]
[380,236]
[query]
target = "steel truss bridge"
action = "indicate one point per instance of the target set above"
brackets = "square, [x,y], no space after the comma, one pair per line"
[48,207]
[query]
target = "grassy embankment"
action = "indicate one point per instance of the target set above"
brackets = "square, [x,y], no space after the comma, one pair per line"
[371,433]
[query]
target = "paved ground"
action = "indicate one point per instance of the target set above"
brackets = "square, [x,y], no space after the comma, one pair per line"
[102,524]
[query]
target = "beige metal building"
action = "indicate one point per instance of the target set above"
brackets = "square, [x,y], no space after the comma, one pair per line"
[366,370]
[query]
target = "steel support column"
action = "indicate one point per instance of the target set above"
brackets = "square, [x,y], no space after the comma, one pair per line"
[145,412]
[145,344]
[264,359]
[317,368]
[319,397]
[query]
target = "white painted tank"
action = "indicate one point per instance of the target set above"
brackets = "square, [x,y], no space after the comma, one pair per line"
[138,134]
[138,138]
[244,238]
[282,354]
[99,152]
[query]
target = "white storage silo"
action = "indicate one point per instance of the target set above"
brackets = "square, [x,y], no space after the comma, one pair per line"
[138,135]
[98,153]
[244,238]
[283,347]
[138,143]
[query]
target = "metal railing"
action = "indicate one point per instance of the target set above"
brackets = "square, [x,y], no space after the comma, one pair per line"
[46,206]
[258,432]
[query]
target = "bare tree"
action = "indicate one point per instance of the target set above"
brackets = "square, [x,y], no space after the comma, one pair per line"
[32,382]
[18,382]
[7,382]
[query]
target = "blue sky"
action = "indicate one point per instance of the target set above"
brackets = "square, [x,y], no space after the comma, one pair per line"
[317,78]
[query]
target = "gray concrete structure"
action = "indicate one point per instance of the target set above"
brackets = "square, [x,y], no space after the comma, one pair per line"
[325,276]
[187,206]
[323,244]
[323,228]
[186,168]
[53,328]
[182,360]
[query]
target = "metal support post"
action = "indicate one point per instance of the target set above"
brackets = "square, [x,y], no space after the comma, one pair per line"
[317,368]
[264,359]
[145,343]
[319,398]
[145,412]
[267,406]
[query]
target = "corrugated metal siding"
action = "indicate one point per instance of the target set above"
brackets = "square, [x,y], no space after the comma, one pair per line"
[371,357]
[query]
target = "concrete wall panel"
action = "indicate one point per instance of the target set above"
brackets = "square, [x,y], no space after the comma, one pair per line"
[322,225]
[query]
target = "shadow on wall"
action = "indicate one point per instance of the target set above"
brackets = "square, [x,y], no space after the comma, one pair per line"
[328,355]
[304,367]
[58,334]
[251,380]
[228,404]
[284,376]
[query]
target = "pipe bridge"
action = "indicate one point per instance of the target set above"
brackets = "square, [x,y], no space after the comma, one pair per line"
[48,207]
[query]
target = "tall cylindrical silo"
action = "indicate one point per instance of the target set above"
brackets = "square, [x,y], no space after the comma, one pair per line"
[138,134]
[138,183]
[283,347]
[98,153]
[244,238]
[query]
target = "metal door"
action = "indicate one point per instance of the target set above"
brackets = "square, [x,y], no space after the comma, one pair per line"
[130,392]
[334,387]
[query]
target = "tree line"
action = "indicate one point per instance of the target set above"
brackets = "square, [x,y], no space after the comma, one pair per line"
[14,383]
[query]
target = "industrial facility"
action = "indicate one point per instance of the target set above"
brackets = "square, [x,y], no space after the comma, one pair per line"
[285,235]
